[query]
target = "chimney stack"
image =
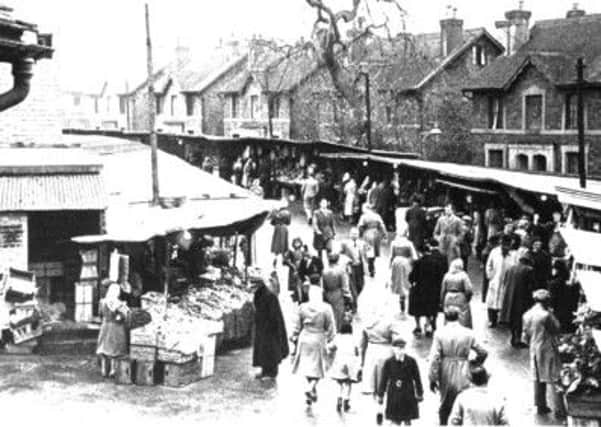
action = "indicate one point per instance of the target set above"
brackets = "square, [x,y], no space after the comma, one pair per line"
[519,20]
[451,33]
[182,55]
[576,12]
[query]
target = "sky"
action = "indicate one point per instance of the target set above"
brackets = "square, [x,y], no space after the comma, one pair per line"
[99,40]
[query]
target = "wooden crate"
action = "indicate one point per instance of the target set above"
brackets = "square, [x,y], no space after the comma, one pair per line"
[145,353]
[145,373]
[173,356]
[125,370]
[24,333]
[208,345]
[182,374]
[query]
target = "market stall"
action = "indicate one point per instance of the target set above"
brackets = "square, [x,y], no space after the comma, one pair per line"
[581,376]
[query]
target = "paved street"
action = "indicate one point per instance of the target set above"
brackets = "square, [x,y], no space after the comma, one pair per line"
[72,386]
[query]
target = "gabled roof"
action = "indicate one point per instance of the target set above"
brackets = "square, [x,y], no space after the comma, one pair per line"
[553,49]
[421,61]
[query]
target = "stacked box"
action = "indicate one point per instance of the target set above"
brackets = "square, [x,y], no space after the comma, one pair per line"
[125,370]
[207,365]
[145,373]
[174,356]
[182,374]
[144,353]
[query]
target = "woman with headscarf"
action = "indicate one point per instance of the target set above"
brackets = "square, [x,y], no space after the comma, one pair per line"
[456,291]
[314,328]
[336,291]
[112,339]
[381,325]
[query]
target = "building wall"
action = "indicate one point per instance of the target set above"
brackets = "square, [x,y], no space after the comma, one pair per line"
[39,118]
[553,140]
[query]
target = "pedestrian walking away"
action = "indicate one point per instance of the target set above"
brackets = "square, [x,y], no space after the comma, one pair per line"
[270,345]
[449,364]
[519,285]
[541,330]
[477,405]
[313,329]
[399,284]
[402,385]
[424,296]
[372,229]
[415,218]
[336,288]
[456,291]
[346,364]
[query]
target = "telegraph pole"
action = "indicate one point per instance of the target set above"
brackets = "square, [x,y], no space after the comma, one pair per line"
[580,120]
[151,114]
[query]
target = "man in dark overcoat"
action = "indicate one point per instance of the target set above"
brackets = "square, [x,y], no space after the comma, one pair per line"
[271,340]
[519,285]
[416,222]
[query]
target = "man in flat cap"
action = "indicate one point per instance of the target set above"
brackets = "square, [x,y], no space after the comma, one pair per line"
[540,332]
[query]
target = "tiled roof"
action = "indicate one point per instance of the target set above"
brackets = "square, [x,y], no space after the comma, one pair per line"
[52,192]
[553,48]
[419,59]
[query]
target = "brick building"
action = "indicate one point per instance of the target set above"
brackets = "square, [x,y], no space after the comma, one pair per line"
[102,107]
[179,87]
[524,104]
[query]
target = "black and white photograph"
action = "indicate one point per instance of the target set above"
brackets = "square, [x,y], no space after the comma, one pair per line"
[300,213]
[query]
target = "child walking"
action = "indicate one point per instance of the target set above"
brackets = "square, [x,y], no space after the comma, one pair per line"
[402,385]
[346,366]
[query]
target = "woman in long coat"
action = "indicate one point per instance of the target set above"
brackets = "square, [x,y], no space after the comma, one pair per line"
[372,229]
[293,259]
[271,340]
[456,291]
[112,339]
[499,261]
[336,288]
[314,329]
[350,196]
[426,276]
[279,241]
[380,327]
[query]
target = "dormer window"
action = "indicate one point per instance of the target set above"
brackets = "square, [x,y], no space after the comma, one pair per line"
[479,56]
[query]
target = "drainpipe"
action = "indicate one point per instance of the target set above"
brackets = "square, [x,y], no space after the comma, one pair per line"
[22,73]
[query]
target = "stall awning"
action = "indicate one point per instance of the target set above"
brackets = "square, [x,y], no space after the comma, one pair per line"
[141,223]
[579,197]
[584,245]
[466,187]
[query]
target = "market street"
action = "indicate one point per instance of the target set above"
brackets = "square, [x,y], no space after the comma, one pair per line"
[73,386]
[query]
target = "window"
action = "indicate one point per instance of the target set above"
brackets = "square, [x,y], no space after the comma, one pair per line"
[388,114]
[571,121]
[521,162]
[495,112]
[479,56]
[159,104]
[234,106]
[172,104]
[275,107]
[254,106]
[534,112]
[190,105]
[77,100]
[495,158]
[108,104]
[96,104]
[539,162]
[122,104]
[571,165]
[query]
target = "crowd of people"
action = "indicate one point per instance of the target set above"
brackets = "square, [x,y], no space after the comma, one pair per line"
[527,287]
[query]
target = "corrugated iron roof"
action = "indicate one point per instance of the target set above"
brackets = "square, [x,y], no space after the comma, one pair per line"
[52,192]
[35,161]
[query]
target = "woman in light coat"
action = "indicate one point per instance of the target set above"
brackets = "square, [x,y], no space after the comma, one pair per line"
[112,339]
[350,196]
[456,291]
[499,261]
[314,328]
